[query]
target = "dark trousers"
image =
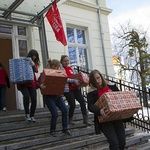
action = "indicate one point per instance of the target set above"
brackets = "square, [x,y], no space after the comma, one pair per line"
[115,133]
[52,102]
[71,96]
[2,96]
[29,93]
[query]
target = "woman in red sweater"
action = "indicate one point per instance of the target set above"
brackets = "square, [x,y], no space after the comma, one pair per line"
[73,92]
[28,90]
[114,131]
[4,82]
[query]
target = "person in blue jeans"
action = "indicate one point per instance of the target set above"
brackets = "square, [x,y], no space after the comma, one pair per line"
[4,83]
[54,101]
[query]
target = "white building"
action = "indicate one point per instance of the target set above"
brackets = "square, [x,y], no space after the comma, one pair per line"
[22,27]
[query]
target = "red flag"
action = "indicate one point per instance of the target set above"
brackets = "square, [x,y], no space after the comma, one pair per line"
[53,16]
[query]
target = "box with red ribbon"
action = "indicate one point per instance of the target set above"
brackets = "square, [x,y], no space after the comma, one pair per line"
[120,105]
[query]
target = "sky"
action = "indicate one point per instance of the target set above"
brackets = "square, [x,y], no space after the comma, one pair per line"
[135,11]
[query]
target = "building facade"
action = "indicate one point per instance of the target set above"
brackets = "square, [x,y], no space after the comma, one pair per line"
[86,27]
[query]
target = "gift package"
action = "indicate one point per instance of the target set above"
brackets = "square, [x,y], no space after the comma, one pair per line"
[20,70]
[82,78]
[120,105]
[54,80]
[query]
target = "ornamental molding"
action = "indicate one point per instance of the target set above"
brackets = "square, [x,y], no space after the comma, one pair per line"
[88,6]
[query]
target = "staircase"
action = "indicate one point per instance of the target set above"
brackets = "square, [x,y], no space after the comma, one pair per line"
[17,134]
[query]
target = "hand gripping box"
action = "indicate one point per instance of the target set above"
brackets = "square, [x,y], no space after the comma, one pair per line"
[54,80]
[20,70]
[82,78]
[120,104]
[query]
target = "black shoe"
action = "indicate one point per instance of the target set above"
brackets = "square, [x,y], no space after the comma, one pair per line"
[66,132]
[53,133]
[87,123]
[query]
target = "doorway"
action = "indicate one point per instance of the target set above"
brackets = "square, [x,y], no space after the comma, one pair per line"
[6,54]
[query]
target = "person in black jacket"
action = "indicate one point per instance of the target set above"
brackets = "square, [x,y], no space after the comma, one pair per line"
[114,131]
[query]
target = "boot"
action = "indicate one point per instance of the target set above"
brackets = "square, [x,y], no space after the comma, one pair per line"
[71,121]
[85,120]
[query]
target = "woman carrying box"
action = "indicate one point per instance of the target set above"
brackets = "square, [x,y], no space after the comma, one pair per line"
[28,90]
[54,101]
[73,92]
[113,130]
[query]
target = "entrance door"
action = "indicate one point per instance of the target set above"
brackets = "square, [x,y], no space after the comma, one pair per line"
[5,55]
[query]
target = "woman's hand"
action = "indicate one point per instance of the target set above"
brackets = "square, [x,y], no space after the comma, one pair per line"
[104,112]
[77,82]
[32,63]
[42,86]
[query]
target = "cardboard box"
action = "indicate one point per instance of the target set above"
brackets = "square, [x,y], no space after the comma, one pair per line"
[54,80]
[20,70]
[83,78]
[121,105]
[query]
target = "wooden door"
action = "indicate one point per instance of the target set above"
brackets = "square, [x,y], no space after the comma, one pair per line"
[5,55]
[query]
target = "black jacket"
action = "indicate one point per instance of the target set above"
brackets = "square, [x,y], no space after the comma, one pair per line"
[92,97]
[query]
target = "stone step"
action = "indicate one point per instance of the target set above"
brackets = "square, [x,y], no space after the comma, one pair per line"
[144,146]
[18,115]
[44,138]
[80,136]
[75,142]
[17,134]
[42,119]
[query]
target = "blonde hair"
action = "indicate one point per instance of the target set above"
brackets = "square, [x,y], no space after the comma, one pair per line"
[53,62]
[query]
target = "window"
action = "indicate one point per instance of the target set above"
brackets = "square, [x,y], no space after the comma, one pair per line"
[21,30]
[22,41]
[77,46]
[6,29]
[22,48]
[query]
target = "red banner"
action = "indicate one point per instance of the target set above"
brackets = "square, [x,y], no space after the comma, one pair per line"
[53,16]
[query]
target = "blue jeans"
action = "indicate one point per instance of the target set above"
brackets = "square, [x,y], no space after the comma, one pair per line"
[3,95]
[52,102]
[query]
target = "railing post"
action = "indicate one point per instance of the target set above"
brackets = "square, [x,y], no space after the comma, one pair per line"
[120,85]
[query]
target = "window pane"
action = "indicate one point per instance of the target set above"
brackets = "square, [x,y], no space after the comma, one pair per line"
[21,30]
[22,48]
[5,29]
[80,36]
[70,35]
[72,55]
[82,57]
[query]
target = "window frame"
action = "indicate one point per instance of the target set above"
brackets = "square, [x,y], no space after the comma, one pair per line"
[22,38]
[78,46]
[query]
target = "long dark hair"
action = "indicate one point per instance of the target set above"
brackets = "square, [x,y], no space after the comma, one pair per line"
[1,66]
[62,57]
[32,53]
[92,81]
